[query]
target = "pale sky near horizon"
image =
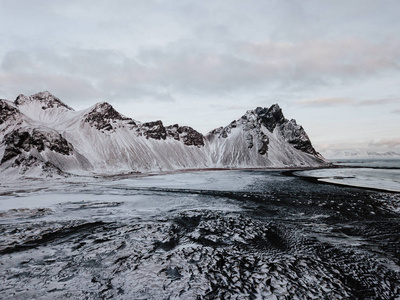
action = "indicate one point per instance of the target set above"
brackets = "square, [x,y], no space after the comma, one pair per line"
[334,66]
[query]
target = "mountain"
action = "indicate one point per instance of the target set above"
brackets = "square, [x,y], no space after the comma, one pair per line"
[42,136]
[360,154]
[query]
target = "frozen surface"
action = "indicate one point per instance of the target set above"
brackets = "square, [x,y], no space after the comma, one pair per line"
[197,235]
[381,179]
[369,163]
[202,180]
[360,154]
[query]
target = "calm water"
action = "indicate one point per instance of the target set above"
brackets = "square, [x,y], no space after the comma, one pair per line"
[369,163]
[374,174]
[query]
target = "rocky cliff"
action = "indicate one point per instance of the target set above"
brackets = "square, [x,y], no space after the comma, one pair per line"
[46,132]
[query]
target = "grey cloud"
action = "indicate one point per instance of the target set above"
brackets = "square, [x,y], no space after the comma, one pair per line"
[325,102]
[87,75]
[231,53]
[157,49]
[254,65]
[186,68]
[342,58]
[127,24]
[379,101]
[67,87]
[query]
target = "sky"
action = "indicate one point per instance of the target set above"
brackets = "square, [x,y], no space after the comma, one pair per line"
[334,66]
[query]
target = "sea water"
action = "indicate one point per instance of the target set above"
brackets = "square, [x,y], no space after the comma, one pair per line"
[365,173]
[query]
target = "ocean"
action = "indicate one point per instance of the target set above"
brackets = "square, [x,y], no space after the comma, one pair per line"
[380,174]
[232,234]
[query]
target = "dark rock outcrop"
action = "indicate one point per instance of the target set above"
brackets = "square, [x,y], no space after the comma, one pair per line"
[25,163]
[262,143]
[223,132]
[270,117]
[188,135]
[295,135]
[249,140]
[103,116]
[154,130]
[18,141]
[7,112]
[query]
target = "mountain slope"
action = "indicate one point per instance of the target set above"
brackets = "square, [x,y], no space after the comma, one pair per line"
[262,138]
[42,129]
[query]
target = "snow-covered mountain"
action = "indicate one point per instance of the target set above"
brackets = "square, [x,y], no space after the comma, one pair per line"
[360,154]
[40,135]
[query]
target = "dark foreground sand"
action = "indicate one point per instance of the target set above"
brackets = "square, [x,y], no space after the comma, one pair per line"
[278,237]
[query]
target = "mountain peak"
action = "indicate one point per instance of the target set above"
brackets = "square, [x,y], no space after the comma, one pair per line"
[44,95]
[21,99]
[102,107]
[270,117]
[106,110]
[101,116]
[47,99]
[100,139]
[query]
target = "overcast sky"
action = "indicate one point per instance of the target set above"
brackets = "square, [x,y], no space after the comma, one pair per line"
[334,66]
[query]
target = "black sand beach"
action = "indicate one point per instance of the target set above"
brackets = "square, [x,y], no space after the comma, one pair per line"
[277,236]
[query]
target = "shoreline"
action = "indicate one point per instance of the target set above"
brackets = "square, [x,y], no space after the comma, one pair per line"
[179,171]
[327,180]
[358,186]
[138,174]
[286,171]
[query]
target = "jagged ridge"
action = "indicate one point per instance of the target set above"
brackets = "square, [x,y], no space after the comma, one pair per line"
[47,100]
[101,139]
[103,115]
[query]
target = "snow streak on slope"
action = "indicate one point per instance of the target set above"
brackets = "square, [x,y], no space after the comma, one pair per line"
[41,130]
[254,142]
